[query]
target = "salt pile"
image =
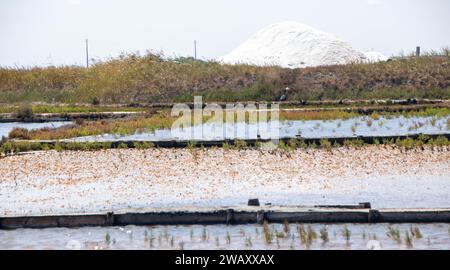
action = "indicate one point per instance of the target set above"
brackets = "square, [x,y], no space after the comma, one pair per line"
[373,57]
[293,45]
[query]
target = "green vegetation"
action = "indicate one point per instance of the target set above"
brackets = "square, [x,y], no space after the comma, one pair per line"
[107,238]
[408,240]
[268,237]
[20,133]
[346,233]
[13,146]
[394,234]
[318,115]
[324,234]
[427,112]
[307,236]
[325,144]
[133,78]
[415,232]
[240,144]
[24,112]
[375,116]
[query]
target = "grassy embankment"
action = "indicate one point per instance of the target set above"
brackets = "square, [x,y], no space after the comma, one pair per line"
[163,119]
[132,79]
[64,109]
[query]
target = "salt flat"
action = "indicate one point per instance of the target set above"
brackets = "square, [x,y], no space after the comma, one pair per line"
[65,182]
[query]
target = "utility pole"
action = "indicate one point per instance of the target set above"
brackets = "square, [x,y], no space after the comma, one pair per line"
[195,49]
[87,53]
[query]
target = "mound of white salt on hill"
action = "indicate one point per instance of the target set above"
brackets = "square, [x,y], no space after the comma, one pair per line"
[293,45]
[373,57]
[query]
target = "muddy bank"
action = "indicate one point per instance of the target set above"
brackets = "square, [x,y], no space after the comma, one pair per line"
[66,182]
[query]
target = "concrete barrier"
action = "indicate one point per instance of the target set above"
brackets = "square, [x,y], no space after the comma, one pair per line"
[168,218]
[237,215]
[414,216]
[54,221]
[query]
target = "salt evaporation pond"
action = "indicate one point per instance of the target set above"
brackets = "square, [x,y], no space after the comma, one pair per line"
[5,128]
[359,126]
[361,236]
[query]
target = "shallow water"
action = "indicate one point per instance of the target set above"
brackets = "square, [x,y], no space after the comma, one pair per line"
[5,128]
[362,236]
[382,192]
[359,126]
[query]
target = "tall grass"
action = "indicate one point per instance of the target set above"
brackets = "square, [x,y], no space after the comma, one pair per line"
[133,78]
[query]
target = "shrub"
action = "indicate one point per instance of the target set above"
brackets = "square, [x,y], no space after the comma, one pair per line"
[7,147]
[106,145]
[191,144]
[240,144]
[375,116]
[58,147]
[312,145]
[148,145]
[19,133]
[407,143]
[226,146]
[143,145]
[122,146]
[325,144]
[439,141]
[293,143]
[93,146]
[75,146]
[25,112]
[45,147]
[79,121]
[19,147]
[36,146]
[95,101]
[284,146]
[354,143]
[394,234]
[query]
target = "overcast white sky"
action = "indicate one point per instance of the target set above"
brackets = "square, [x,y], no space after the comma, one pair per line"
[43,32]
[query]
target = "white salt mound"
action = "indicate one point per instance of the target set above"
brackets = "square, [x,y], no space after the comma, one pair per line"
[373,57]
[293,45]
